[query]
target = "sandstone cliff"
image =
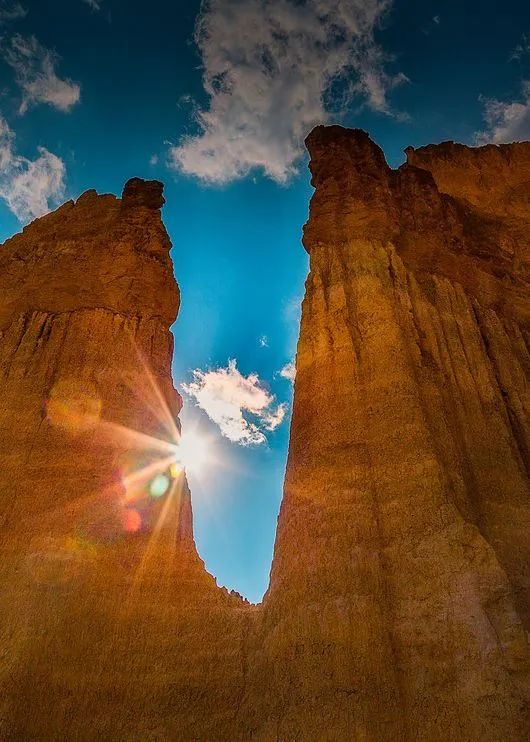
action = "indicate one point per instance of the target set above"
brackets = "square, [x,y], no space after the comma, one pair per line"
[109,624]
[399,598]
[406,490]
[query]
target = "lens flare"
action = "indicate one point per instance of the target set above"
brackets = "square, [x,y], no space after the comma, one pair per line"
[159,485]
[175,470]
[131,520]
[74,405]
[143,493]
[191,452]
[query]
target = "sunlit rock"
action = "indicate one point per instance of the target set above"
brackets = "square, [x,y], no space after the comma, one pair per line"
[399,596]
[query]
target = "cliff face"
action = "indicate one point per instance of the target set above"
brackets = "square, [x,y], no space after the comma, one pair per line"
[399,592]
[402,557]
[106,612]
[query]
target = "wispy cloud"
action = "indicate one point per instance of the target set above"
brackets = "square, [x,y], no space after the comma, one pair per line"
[507,121]
[11,11]
[271,71]
[288,371]
[27,186]
[239,405]
[431,25]
[521,50]
[94,4]
[34,67]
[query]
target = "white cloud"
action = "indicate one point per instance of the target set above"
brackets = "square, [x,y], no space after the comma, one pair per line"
[240,405]
[11,11]
[269,69]
[6,145]
[288,371]
[153,160]
[94,4]
[507,121]
[34,67]
[28,186]
[275,417]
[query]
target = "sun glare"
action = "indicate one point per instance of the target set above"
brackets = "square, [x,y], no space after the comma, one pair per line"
[191,452]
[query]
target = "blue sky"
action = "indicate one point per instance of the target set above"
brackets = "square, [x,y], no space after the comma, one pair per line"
[110,88]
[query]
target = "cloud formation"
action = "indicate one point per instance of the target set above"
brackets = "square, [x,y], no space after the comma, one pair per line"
[94,4]
[239,405]
[288,371]
[507,121]
[28,186]
[34,67]
[271,71]
[11,11]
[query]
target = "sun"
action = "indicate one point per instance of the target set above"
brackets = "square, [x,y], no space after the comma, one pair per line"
[192,452]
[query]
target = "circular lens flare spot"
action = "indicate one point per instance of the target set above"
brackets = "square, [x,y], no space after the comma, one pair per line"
[131,520]
[74,405]
[159,485]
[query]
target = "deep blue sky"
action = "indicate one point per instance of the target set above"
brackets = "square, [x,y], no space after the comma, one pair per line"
[237,252]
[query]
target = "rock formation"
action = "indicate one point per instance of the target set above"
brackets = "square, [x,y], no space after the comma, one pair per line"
[110,626]
[406,490]
[399,604]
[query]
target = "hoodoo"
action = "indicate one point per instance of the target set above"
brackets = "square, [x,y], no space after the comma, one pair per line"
[110,626]
[399,599]
[401,567]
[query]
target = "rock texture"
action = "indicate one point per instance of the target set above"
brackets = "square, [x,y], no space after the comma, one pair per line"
[401,565]
[110,628]
[399,605]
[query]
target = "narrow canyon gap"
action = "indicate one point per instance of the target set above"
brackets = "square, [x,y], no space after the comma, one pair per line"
[399,591]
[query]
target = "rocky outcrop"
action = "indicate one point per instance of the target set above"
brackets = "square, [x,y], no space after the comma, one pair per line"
[401,566]
[398,606]
[110,627]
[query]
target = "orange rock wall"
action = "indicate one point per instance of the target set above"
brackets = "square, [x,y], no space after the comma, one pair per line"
[402,556]
[398,606]
[110,628]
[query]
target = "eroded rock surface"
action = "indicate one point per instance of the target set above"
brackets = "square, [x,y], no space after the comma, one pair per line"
[401,567]
[398,607]
[110,627]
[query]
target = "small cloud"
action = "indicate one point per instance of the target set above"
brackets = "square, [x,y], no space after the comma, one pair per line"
[153,160]
[11,11]
[239,405]
[507,121]
[431,25]
[288,371]
[28,186]
[185,100]
[34,67]
[94,4]
[263,340]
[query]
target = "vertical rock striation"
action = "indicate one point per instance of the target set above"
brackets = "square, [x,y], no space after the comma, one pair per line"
[401,564]
[110,627]
[398,607]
